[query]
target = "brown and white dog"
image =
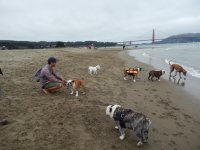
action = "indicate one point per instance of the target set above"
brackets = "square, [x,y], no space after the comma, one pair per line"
[157,74]
[132,72]
[178,69]
[76,85]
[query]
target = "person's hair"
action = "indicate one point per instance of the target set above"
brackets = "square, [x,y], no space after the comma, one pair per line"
[51,60]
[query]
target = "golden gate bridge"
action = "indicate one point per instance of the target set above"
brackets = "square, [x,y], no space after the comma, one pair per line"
[151,40]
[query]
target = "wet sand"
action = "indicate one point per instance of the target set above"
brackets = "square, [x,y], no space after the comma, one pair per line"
[62,121]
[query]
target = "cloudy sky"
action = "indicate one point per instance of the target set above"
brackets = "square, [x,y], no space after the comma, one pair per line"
[101,20]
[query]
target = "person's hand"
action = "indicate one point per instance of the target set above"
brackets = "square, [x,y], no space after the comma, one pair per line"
[64,82]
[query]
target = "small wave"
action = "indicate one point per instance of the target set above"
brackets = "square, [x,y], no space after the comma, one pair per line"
[145,55]
[190,69]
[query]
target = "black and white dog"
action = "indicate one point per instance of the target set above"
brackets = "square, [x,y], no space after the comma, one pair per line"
[127,118]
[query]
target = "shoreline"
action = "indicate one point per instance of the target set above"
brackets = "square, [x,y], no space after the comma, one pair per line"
[130,60]
[191,85]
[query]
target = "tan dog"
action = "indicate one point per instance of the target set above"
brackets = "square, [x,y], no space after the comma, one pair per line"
[76,85]
[178,69]
[132,72]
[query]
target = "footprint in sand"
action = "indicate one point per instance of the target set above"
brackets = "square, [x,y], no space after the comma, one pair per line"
[154,90]
[186,116]
[153,113]
[175,108]
[197,122]
[172,143]
[180,125]
[156,96]
[169,114]
[165,134]
[178,134]
[163,117]
[154,130]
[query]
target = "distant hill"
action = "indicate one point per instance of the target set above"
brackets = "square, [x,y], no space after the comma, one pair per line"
[182,38]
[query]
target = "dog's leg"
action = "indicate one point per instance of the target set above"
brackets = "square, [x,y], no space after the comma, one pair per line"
[72,91]
[125,77]
[139,144]
[134,78]
[179,77]
[121,130]
[76,93]
[159,79]
[116,127]
[91,72]
[152,78]
[171,70]
[149,76]
[139,135]
[175,74]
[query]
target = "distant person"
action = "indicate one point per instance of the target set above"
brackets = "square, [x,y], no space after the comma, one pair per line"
[49,80]
[124,46]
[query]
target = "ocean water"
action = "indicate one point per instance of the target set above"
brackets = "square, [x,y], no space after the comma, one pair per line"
[187,55]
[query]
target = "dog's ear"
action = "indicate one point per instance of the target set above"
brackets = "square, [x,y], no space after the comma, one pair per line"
[110,110]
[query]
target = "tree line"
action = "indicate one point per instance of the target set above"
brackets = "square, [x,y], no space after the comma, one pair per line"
[43,44]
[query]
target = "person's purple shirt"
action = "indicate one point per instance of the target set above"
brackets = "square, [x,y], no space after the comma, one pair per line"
[48,75]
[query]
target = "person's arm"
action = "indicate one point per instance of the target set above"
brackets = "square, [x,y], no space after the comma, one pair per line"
[51,77]
[59,78]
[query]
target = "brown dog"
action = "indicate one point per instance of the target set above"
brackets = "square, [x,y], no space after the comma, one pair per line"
[132,72]
[156,74]
[76,85]
[178,69]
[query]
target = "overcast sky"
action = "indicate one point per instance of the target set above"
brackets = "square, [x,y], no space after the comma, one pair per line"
[101,20]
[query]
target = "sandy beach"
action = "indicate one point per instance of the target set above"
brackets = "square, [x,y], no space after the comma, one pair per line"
[63,122]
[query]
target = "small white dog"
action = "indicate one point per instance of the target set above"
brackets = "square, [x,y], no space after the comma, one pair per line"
[93,70]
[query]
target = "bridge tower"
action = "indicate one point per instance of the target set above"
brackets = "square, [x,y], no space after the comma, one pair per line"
[153,37]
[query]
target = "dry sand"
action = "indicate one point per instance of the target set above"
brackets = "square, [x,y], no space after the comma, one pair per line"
[61,121]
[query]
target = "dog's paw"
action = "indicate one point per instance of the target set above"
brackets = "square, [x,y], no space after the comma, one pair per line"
[159,80]
[139,144]
[71,93]
[125,79]
[116,127]
[122,137]
[134,80]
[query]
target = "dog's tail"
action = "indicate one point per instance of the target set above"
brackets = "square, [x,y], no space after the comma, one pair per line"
[170,62]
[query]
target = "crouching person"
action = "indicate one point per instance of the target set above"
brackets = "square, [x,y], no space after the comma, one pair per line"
[49,80]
